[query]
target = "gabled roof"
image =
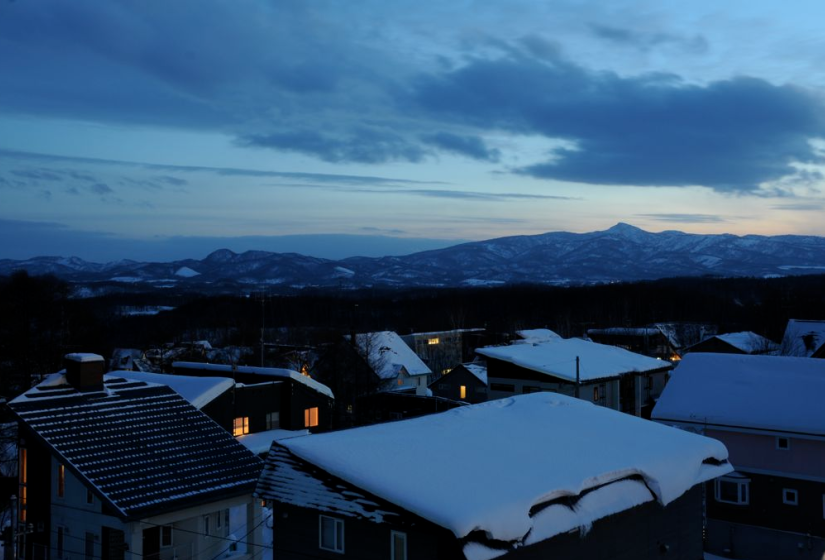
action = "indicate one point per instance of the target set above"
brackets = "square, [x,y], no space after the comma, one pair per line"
[479,370]
[803,338]
[141,446]
[462,453]
[682,335]
[748,342]
[387,353]
[773,393]
[530,336]
[275,373]
[558,359]
[199,391]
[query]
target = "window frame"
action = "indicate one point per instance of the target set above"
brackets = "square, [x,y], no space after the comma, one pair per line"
[310,419]
[790,491]
[462,392]
[164,543]
[241,430]
[270,416]
[787,446]
[336,523]
[61,480]
[393,535]
[740,483]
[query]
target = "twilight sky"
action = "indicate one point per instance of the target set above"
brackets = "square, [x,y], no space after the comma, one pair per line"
[161,130]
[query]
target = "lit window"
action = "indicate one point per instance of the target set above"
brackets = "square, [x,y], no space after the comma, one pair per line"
[400,382]
[398,546]
[166,536]
[446,371]
[61,481]
[790,497]
[783,443]
[432,340]
[732,490]
[273,420]
[240,426]
[463,391]
[331,534]
[311,417]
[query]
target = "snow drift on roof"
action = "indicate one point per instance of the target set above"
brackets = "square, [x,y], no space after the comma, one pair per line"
[536,335]
[386,353]
[558,358]
[479,370]
[83,357]
[748,342]
[760,392]
[260,442]
[462,453]
[263,371]
[199,391]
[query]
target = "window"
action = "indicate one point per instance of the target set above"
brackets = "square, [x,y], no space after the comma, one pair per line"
[218,521]
[783,443]
[432,341]
[595,393]
[443,386]
[90,497]
[226,515]
[206,525]
[166,536]
[61,481]
[273,420]
[790,497]
[398,545]
[732,490]
[240,426]
[90,546]
[60,531]
[311,417]
[463,392]
[331,533]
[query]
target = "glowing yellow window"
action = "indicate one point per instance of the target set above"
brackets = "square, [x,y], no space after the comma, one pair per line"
[432,340]
[311,417]
[463,391]
[240,426]
[61,481]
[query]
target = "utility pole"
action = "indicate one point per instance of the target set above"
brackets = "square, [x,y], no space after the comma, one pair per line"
[578,379]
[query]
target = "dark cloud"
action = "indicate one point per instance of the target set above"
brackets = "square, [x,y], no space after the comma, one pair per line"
[696,44]
[649,130]
[101,189]
[360,145]
[383,230]
[685,218]
[469,146]
[36,174]
[469,195]
[812,206]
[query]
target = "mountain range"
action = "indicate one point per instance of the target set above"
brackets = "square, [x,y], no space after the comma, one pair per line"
[621,253]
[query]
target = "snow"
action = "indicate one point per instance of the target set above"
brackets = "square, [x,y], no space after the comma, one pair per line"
[129,279]
[387,353]
[186,272]
[266,372]
[260,442]
[341,271]
[597,446]
[536,335]
[748,342]
[479,370]
[199,391]
[477,551]
[84,358]
[774,393]
[803,338]
[475,282]
[558,358]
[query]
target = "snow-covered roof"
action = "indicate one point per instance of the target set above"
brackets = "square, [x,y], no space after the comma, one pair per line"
[199,391]
[536,335]
[625,331]
[774,393]
[386,352]
[462,454]
[558,358]
[803,338]
[84,357]
[260,442]
[140,446]
[479,370]
[682,335]
[748,342]
[279,373]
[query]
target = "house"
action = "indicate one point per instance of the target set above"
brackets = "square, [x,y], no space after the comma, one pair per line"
[465,382]
[769,412]
[116,466]
[804,339]
[531,336]
[736,343]
[606,375]
[251,413]
[395,363]
[533,476]
[265,398]
[667,341]
[442,350]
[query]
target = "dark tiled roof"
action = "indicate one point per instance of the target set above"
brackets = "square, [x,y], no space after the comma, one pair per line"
[142,446]
[289,480]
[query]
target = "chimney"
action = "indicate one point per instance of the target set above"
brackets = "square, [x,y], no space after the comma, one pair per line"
[84,372]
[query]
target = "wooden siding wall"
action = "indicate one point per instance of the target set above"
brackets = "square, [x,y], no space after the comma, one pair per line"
[449,386]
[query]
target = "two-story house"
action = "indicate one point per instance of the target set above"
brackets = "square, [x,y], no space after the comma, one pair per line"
[117,468]
[529,477]
[770,413]
[606,375]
